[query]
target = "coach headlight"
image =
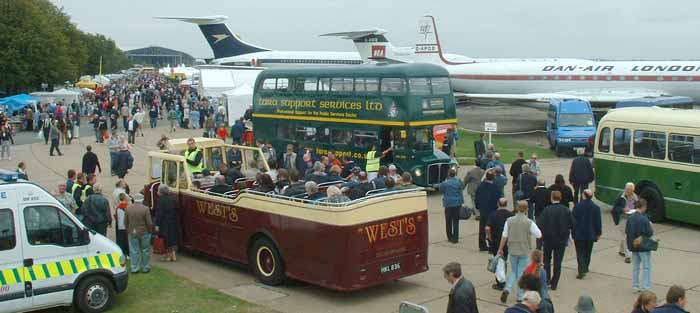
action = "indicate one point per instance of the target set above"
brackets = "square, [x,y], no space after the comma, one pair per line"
[454,167]
[418,172]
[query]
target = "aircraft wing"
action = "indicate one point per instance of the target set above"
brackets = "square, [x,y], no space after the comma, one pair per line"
[356,34]
[602,97]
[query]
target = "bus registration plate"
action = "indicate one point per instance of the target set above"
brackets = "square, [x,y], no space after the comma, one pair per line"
[390,268]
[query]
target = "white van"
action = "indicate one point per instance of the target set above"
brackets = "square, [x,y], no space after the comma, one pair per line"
[48,258]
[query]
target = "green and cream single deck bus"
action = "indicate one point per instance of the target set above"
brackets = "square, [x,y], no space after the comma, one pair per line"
[657,149]
[350,109]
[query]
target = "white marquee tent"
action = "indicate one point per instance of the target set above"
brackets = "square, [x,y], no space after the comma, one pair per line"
[237,101]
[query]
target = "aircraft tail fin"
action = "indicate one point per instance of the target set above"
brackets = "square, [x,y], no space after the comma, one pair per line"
[371,44]
[222,41]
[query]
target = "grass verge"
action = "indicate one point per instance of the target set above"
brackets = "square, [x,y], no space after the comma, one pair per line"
[161,291]
[507,145]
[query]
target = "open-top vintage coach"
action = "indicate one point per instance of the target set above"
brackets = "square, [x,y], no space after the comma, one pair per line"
[345,246]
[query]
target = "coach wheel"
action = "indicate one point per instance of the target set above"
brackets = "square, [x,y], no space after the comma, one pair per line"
[94,294]
[656,210]
[266,262]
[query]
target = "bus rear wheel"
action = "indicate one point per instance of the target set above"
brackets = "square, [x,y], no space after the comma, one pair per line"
[266,262]
[656,211]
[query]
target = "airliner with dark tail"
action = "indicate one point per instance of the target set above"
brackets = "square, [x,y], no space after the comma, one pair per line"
[230,49]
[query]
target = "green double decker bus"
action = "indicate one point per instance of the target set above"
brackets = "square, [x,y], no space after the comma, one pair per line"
[659,151]
[350,110]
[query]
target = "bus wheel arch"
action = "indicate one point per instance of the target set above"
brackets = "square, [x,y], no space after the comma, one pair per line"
[656,205]
[92,285]
[266,260]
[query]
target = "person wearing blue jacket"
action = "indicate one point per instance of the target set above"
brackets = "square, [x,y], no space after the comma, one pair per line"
[587,230]
[486,201]
[452,201]
[675,301]
[638,225]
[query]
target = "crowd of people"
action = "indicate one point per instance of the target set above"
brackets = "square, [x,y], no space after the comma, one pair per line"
[532,238]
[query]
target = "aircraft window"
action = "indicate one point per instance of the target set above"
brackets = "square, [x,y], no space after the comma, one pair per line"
[684,148]
[556,77]
[440,85]
[419,86]
[649,144]
[341,85]
[282,84]
[365,138]
[622,77]
[621,141]
[604,141]
[582,77]
[674,78]
[341,136]
[7,230]
[608,78]
[660,78]
[269,84]
[393,85]
[324,84]
[544,77]
[636,77]
[47,225]
[309,84]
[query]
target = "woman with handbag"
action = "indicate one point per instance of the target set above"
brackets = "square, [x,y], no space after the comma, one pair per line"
[167,225]
[638,234]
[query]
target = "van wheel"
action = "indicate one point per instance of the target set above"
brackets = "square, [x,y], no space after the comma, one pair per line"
[94,294]
[266,262]
[656,210]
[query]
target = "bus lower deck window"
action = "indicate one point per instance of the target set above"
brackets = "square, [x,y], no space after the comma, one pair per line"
[365,138]
[341,136]
[621,141]
[684,148]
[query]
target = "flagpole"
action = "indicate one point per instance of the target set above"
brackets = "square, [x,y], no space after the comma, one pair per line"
[100,66]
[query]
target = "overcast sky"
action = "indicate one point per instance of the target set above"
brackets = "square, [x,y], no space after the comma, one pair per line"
[617,29]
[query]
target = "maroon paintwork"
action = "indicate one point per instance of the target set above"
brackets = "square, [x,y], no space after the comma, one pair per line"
[342,258]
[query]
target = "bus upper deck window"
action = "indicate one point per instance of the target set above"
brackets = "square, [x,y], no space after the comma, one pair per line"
[309,84]
[269,84]
[343,85]
[324,84]
[419,86]
[440,85]
[393,85]
[282,84]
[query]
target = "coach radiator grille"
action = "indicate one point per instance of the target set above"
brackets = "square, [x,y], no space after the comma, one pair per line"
[437,172]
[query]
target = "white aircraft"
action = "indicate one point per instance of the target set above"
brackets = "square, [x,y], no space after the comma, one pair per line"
[536,81]
[178,69]
[230,49]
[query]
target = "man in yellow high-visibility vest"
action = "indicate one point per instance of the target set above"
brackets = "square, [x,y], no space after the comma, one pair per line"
[372,166]
[193,158]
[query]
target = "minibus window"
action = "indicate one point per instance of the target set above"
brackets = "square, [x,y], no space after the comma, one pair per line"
[7,230]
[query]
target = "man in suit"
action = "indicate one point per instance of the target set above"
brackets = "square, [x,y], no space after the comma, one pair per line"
[486,200]
[587,230]
[556,223]
[462,298]
[580,175]
[480,147]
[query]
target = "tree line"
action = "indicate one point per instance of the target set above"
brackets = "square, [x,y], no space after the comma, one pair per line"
[39,44]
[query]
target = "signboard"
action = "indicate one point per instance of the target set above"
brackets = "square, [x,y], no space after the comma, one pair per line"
[490,127]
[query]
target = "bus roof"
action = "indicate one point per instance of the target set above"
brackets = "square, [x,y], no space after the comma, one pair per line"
[654,115]
[379,70]
[657,101]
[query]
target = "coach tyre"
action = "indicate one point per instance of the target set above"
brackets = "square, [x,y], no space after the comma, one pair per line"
[655,203]
[266,262]
[94,294]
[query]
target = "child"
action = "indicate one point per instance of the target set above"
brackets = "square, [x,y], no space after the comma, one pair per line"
[222,133]
[119,216]
[536,268]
